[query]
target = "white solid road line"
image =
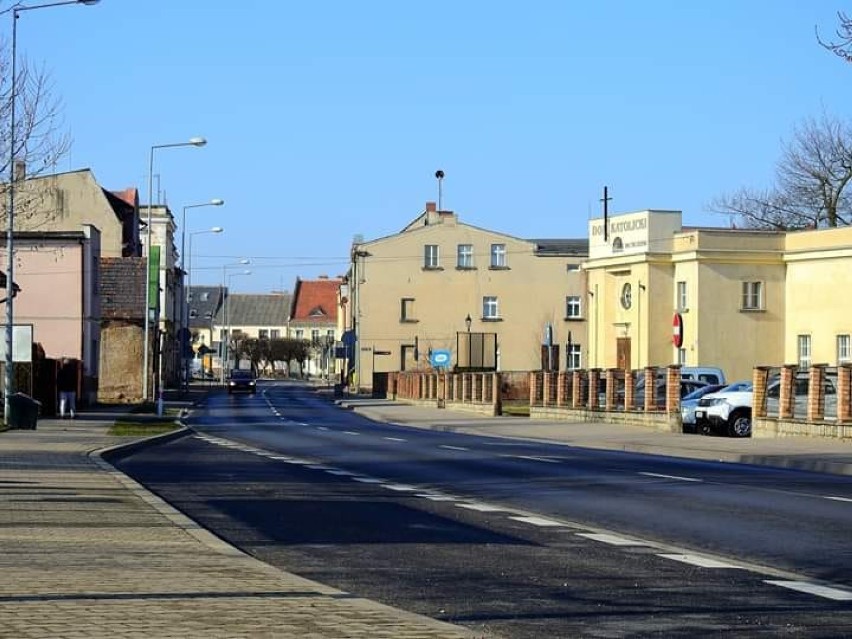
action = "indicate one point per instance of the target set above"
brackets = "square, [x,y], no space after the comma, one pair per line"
[453,447]
[698,560]
[613,540]
[538,521]
[814,589]
[395,439]
[671,477]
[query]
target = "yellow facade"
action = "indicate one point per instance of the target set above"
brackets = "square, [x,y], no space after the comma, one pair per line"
[819,278]
[743,296]
[399,300]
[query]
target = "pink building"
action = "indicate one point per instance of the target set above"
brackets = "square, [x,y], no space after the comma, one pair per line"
[58,272]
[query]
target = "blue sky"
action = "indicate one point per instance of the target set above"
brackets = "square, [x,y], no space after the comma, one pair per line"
[328,119]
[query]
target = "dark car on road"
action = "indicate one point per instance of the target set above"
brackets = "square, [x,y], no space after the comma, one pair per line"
[242,380]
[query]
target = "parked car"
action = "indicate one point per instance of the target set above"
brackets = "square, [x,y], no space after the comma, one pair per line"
[707,374]
[727,412]
[241,380]
[689,403]
[687,386]
[801,385]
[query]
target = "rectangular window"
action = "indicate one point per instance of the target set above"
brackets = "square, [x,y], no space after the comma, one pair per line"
[205,296]
[681,356]
[490,308]
[275,333]
[430,256]
[406,310]
[575,358]
[752,296]
[572,307]
[804,348]
[263,333]
[681,296]
[844,349]
[465,256]
[300,334]
[329,334]
[315,335]
[498,256]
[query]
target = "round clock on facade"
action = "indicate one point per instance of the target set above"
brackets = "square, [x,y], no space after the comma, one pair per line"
[626,295]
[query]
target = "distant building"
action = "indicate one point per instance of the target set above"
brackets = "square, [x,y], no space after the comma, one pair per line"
[411,294]
[314,317]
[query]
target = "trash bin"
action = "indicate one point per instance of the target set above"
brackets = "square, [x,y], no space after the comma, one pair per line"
[23,412]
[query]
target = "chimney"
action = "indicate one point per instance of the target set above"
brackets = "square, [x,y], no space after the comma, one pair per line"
[431,207]
[20,170]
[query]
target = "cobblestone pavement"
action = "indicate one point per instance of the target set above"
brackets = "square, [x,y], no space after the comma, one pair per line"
[87,552]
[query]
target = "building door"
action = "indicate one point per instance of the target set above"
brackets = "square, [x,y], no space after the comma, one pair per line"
[622,350]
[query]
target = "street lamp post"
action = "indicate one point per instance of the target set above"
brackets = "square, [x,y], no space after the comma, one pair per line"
[215,229]
[228,318]
[145,345]
[8,381]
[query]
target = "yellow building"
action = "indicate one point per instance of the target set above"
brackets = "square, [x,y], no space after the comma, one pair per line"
[411,294]
[663,294]
[819,307]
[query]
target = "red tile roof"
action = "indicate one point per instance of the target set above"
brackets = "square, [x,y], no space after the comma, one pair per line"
[316,300]
[129,195]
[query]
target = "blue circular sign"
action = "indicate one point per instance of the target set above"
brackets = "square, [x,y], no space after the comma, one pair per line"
[440,358]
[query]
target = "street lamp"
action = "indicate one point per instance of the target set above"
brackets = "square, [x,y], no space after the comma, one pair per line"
[190,142]
[215,229]
[228,318]
[17,10]
[467,322]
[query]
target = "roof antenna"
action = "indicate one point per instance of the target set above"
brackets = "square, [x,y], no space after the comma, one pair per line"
[439,175]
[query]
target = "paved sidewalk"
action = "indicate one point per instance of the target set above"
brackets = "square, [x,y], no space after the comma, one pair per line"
[802,453]
[87,552]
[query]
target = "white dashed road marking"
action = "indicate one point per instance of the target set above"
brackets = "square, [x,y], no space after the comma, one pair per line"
[670,477]
[533,458]
[701,562]
[453,447]
[394,439]
[814,589]
[838,498]
[350,432]
[401,488]
[432,497]
[613,540]
[538,521]
[368,480]
[321,428]
[341,473]
[482,508]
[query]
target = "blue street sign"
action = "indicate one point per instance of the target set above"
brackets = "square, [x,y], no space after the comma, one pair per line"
[440,358]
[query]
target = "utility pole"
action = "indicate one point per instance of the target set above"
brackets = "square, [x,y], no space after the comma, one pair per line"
[606,199]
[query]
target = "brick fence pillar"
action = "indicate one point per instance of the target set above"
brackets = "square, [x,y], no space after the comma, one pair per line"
[576,389]
[650,388]
[594,383]
[561,388]
[545,389]
[496,393]
[816,393]
[759,379]
[844,392]
[785,392]
[629,390]
[673,389]
[611,376]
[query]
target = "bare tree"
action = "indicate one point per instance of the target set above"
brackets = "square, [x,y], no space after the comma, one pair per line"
[811,180]
[842,46]
[40,138]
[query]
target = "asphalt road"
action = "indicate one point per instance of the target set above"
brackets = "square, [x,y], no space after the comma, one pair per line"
[522,539]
